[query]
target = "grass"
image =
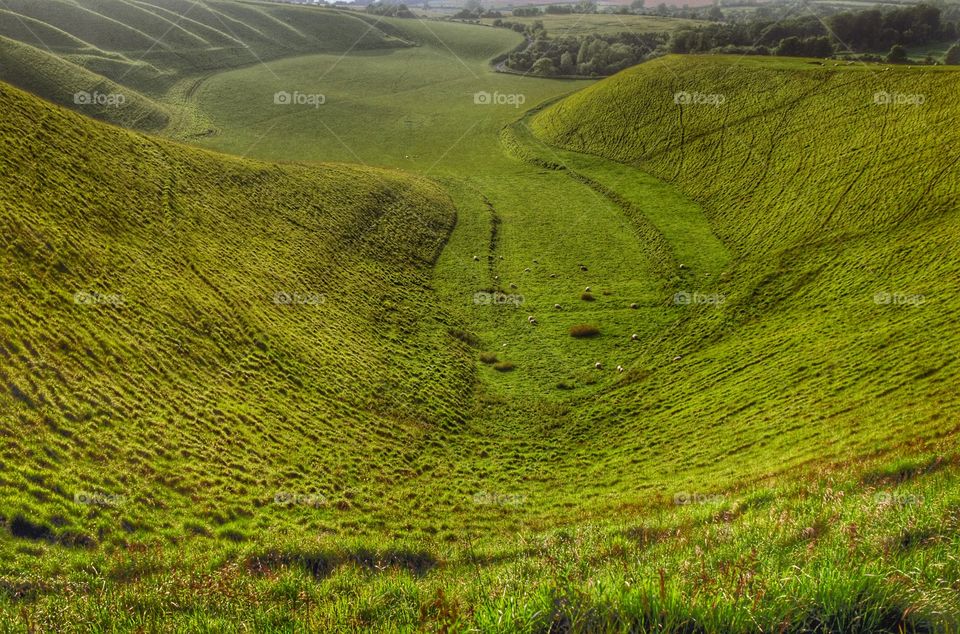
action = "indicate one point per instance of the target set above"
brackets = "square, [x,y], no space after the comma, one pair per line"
[268,407]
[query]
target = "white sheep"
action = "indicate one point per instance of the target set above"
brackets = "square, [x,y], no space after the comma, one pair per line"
[677,358]
[619,368]
[526,270]
[634,306]
[476,258]
[634,337]
[586,290]
[598,365]
[558,306]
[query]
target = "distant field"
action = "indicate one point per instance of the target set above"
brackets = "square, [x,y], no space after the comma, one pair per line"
[584,24]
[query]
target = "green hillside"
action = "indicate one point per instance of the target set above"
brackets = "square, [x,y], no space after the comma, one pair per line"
[248,396]
[161,48]
[201,332]
[836,330]
[67,84]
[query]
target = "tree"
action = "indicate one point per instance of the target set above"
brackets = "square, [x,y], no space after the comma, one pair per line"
[953,56]
[790,47]
[819,46]
[567,63]
[715,14]
[585,6]
[543,67]
[897,55]
[637,4]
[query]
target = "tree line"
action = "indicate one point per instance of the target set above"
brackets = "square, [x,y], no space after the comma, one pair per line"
[584,55]
[863,32]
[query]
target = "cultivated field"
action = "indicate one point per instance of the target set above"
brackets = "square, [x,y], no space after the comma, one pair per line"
[275,393]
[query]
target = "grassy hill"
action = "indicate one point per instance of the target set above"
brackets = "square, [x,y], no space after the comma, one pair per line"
[273,394]
[199,332]
[73,86]
[835,330]
[161,48]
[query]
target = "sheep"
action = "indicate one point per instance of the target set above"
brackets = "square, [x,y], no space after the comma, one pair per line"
[558,306]
[496,277]
[619,368]
[512,285]
[634,306]
[598,365]
[683,266]
[583,268]
[530,318]
[552,275]
[634,337]
[476,258]
[677,358]
[501,257]
[526,270]
[586,290]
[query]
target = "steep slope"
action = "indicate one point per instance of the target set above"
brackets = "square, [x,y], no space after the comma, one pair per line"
[73,86]
[832,331]
[161,48]
[195,333]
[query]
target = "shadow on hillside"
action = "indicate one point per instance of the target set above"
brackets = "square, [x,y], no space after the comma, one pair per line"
[321,564]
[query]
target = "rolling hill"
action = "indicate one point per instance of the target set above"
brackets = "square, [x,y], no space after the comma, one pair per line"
[208,330]
[282,396]
[834,333]
[159,49]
